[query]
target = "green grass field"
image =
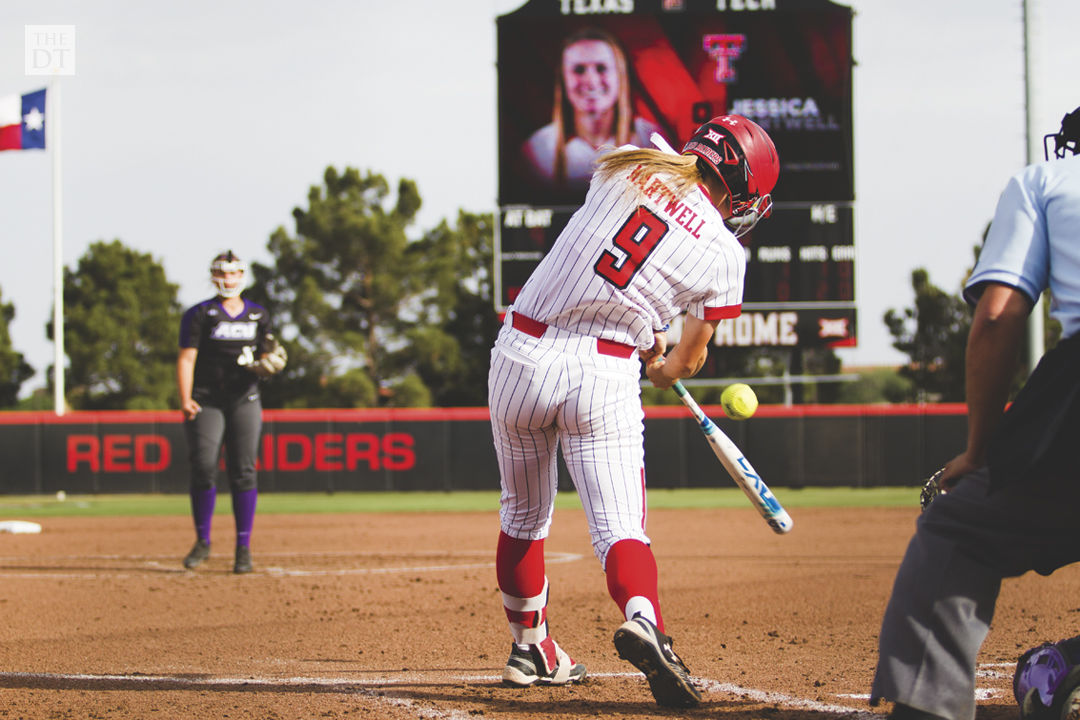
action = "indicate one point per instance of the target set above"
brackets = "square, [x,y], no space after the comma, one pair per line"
[14,507]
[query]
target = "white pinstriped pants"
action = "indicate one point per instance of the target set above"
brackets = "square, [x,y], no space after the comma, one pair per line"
[557,389]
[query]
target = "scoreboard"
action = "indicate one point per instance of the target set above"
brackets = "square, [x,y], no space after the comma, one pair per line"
[786,64]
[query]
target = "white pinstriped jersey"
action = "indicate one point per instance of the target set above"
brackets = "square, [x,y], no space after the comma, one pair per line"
[631,259]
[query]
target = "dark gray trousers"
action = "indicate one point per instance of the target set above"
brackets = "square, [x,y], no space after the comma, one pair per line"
[237,425]
[945,591]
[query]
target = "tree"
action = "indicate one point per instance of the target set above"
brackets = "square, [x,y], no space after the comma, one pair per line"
[120,329]
[370,316]
[14,370]
[876,385]
[450,352]
[345,291]
[934,335]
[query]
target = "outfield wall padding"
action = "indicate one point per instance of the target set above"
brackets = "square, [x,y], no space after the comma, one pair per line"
[451,449]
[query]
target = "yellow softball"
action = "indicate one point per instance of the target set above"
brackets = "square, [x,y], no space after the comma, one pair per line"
[739,401]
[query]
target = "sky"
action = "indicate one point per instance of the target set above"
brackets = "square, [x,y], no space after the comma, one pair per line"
[192,126]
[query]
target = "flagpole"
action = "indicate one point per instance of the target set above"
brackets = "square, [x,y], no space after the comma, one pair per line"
[58,247]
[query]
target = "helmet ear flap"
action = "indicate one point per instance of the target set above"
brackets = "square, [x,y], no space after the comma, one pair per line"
[731,155]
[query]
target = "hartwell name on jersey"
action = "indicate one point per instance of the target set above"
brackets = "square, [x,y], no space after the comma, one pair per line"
[657,191]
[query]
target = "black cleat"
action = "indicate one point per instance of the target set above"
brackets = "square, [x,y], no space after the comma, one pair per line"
[649,650]
[242,564]
[199,553]
[525,668]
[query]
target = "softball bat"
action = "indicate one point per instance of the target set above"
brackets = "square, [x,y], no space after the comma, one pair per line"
[740,469]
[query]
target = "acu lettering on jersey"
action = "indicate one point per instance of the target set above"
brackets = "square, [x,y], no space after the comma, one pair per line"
[654,189]
[234,331]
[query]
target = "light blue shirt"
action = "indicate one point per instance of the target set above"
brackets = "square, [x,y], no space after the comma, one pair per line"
[1034,240]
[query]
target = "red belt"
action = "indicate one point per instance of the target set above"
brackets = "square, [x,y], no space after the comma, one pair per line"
[536,328]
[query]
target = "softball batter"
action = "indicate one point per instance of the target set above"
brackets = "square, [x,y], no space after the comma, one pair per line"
[651,241]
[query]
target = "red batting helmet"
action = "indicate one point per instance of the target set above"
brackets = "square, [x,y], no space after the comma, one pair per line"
[745,159]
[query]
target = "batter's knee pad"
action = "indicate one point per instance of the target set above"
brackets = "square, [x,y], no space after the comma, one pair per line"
[1047,681]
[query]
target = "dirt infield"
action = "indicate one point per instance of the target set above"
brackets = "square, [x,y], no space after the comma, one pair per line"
[399,616]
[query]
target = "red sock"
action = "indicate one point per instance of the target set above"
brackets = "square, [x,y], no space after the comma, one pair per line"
[519,565]
[631,571]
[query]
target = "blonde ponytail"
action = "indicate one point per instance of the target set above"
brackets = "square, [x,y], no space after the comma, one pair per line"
[681,170]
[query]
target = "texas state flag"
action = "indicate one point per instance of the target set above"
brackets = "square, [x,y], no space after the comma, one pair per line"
[22,121]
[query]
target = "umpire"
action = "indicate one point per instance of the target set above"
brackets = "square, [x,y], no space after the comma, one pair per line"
[226,345]
[1009,500]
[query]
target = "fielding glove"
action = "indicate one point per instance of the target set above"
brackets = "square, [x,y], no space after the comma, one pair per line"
[272,360]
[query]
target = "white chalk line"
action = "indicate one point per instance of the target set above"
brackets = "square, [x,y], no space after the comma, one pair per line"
[351,684]
[170,564]
[984,670]
[376,689]
[762,696]
[788,701]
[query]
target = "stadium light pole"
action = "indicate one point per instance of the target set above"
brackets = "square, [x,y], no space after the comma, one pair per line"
[1036,342]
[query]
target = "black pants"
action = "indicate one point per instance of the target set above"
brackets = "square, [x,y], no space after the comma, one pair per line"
[237,425]
[1038,435]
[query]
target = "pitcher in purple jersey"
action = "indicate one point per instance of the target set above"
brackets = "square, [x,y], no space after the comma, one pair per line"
[653,240]
[220,340]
